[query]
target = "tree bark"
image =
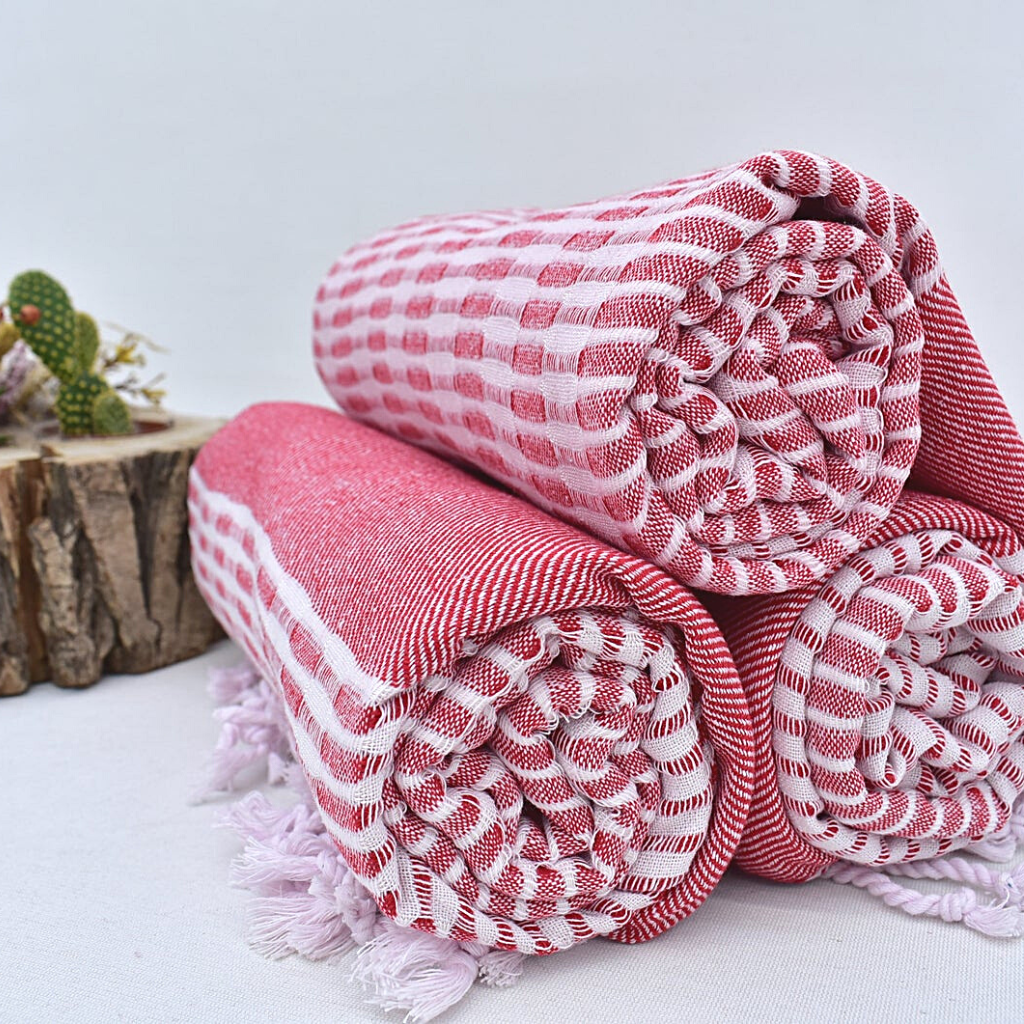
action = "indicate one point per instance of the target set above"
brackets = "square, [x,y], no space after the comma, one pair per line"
[94,555]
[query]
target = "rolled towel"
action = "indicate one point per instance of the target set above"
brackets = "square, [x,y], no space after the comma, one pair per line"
[888,704]
[516,735]
[728,375]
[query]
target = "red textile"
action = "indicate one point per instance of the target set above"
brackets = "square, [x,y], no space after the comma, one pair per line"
[515,733]
[888,701]
[729,375]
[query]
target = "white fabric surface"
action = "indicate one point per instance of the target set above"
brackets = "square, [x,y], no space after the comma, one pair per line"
[114,906]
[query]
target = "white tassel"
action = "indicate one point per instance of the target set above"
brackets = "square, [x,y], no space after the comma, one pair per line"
[253,729]
[305,900]
[1006,886]
[500,967]
[1001,919]
[424,975]
[961,906]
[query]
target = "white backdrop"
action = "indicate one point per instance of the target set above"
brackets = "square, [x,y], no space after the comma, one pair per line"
[190,169]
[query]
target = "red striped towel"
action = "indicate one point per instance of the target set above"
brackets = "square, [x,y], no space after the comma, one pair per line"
[729,375]
[515,734]
[888,701]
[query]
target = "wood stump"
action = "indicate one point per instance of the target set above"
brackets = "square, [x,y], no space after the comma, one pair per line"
[94,554]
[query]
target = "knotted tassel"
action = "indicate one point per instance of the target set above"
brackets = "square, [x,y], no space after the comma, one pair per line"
[305,899]
[1006,886]
[995,919]
[1003,918]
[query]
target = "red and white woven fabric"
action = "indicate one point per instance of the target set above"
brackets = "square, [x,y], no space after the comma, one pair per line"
[888,701]
[728,375]
[516,735]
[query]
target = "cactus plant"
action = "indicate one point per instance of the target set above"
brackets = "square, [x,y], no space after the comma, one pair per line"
[66,342]
[87,339]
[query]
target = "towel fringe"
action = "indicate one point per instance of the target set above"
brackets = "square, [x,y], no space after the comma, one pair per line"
[402,969]
[1002,918]
[304,898]
[253,729]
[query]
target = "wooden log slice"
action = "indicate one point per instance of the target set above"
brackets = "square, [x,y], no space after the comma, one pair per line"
[94,554]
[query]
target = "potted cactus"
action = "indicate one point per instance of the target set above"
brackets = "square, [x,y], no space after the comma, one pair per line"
[94,566]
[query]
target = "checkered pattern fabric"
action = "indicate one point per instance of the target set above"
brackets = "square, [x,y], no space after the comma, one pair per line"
[515,734]
[888,702]
[729,375]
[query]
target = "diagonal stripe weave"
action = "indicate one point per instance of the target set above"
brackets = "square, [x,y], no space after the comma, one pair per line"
[729,375]
[515,734]
[888,702]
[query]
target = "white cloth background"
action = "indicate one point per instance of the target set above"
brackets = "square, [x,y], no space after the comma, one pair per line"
[114,906]
[171,163]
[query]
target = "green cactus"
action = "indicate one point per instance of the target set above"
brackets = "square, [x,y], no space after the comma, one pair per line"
[67,343]
[75,402]
[42,311]
[90,406]
[109,413]
[87,339]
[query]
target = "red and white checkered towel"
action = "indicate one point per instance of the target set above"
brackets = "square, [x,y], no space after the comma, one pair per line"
[729,375]
[888,701]
[515,734]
